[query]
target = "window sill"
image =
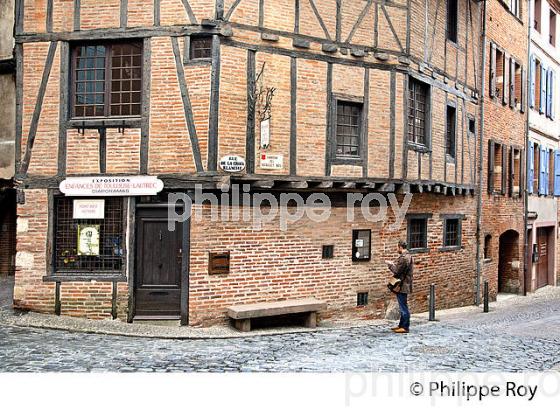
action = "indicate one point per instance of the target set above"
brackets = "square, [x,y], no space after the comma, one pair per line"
[347,161]
[487,260]
[418,147]
[450,160]
[361,260]
[198,61]
[105,122]
[419,250]
[453,43]
[85,277]
[450,248]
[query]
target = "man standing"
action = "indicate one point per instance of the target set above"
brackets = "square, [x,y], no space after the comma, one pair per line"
[402,269]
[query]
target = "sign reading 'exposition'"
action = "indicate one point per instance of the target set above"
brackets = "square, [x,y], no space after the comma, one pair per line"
[135,185]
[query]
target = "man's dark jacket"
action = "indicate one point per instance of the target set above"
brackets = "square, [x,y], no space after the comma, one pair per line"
[403,269]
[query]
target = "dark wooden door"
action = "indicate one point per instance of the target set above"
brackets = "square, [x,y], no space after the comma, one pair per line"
[542,266]
[158,265]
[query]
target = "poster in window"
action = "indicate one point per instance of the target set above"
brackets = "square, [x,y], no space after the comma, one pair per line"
[88,240]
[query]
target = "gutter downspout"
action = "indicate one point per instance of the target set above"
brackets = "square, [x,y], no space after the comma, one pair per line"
[480,161]
[524,190]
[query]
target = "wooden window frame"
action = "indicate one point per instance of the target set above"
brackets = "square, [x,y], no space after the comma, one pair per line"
[513,7]
[424,145]
[56,272]
[452,21]
[327,252]
[536,167]
[471,119]
[451,149]
[459,219]
[341,159]
[515,171]
[417,217]
[355,236]
[550,172]
[188,58]
[492,189]
[537,23]
[553,16]
[107,80]
[487,249]
[362,299]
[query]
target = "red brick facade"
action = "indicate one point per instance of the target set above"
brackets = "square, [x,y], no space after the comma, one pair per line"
[311,59]
[500,212]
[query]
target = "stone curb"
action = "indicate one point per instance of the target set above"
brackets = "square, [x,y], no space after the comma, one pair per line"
[78,325]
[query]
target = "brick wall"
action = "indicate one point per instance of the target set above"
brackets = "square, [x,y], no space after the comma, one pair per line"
[270,264]
[505,125]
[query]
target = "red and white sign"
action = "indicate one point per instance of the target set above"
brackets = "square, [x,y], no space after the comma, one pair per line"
[270,161]
[135,185]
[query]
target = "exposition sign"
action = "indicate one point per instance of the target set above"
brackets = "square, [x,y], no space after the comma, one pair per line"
[135,185]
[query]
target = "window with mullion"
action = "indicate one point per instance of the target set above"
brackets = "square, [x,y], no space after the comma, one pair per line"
[108,258]
[107,80]
[418,233]
[452,233]
[450,134]
[200,48]
[418,109]
[348,129]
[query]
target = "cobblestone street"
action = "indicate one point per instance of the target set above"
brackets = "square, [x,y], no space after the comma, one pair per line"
[519,334]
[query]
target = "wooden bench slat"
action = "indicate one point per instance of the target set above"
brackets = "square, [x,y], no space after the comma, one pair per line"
[275,308]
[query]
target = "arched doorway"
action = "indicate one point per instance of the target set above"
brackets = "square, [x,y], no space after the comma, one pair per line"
[509,262]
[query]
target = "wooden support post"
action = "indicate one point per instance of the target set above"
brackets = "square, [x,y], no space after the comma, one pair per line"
[311,320]
[243,325]
[57,304]
[114,301]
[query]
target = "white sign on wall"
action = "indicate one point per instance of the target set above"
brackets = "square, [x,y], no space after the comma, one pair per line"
[270,161]
[134,185]
[232,163]
[265,133]
[89,209]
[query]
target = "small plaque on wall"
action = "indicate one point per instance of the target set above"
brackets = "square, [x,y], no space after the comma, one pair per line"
[270,161]
[265,133]
[232,163]
[89,209]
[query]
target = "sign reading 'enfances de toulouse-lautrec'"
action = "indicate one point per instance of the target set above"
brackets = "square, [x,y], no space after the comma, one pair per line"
[134,185]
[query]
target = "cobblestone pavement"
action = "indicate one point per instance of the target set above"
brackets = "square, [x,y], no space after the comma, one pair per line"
[507,339]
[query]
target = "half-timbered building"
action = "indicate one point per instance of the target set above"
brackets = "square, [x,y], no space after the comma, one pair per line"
[260,97]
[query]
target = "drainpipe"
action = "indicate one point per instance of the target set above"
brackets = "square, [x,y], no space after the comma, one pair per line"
[480,160]
[524,189]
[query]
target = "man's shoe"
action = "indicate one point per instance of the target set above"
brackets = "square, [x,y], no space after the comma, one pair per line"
[395,328]
[400,330]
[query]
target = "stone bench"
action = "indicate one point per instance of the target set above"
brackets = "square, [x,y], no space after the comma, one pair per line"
[242,314]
